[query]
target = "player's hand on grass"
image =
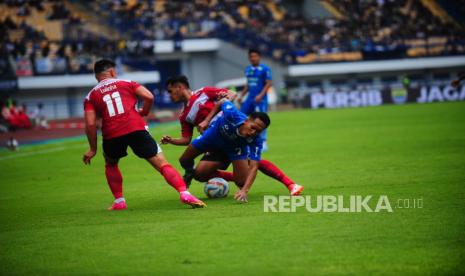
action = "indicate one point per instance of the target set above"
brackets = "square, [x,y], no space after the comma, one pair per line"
[88,156]
[166,140]
[241,196]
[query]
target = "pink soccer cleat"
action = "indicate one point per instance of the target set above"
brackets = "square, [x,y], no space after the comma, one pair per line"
[118,206]
[295,189]
[191,200]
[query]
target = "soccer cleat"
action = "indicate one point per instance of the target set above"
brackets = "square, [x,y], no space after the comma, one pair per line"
[191,200]
[118,206]
[295,189]
[188,176]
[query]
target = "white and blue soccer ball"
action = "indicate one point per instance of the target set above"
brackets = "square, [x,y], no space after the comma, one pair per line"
[216,188]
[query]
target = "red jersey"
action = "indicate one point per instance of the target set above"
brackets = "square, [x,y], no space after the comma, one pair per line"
[197,108]
[115,101]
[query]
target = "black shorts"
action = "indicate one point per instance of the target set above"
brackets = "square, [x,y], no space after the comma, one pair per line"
[217,156]
[141,143]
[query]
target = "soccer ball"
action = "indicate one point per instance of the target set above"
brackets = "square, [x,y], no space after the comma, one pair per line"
[216,188]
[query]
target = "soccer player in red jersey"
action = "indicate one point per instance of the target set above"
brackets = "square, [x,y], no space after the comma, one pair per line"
[115,102]
[197,112]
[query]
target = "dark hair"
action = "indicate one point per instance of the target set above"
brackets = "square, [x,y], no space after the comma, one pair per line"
[177,79]
[103,65]
[253,50]
[262,116]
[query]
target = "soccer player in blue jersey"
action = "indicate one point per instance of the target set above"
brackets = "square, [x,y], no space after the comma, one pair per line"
[237,136]
[259,80]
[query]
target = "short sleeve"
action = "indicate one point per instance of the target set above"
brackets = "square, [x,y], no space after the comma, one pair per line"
[134,86]
[268,75]
[88,106]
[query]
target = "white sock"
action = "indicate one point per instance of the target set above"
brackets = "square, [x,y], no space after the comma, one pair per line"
[186,192]
[119,200]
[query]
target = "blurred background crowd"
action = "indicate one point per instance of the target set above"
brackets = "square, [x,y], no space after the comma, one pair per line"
[56,37]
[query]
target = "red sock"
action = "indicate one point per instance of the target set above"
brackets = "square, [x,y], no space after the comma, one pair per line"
[114,179]
[271,170]
[173,178]
[228,176]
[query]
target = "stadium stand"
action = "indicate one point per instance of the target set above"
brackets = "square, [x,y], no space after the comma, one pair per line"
[359,30]
[46,37]
[36,39]
[413,28]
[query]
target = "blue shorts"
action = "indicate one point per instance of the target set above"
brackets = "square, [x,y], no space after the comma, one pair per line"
[213,141]
[250,106]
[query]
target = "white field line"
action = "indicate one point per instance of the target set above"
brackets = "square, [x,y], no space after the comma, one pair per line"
[39,152]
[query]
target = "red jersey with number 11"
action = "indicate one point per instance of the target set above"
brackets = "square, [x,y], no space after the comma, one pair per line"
[115,101]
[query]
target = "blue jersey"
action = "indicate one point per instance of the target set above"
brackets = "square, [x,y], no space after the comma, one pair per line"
[256,79]
[223,135]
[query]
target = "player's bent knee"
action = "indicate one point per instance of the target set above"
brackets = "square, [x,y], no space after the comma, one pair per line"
[202,173]
[186,162]
[201,176]
[182,160]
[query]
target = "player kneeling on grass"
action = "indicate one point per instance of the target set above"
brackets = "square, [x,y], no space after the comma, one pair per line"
[237,136]
[199,109]
[115,102]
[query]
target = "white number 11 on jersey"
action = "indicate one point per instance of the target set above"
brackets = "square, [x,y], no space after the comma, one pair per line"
[109,101]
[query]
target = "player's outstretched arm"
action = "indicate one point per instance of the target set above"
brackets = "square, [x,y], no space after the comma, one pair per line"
[183,141]
[91,132]
[241,195]
[187,130]
[147,98]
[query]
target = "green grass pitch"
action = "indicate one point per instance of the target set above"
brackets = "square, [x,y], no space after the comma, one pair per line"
[54,218]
